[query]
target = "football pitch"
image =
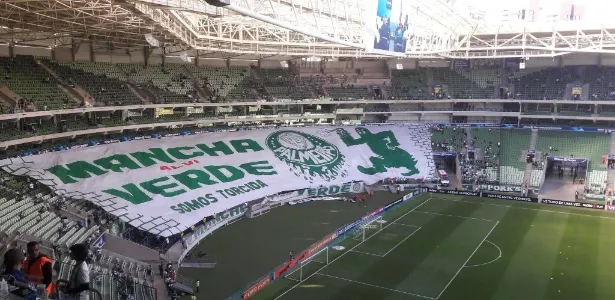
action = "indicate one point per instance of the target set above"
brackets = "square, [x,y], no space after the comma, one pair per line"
[453,247]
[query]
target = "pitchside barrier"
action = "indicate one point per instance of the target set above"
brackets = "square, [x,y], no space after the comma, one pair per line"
[330,240]
[523,199]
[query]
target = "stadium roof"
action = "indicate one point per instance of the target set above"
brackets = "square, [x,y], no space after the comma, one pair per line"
[282,29]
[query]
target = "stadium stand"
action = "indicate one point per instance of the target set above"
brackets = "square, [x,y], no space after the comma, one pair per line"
[26,78]
[447,139]
[487,143]
[512,168]
[103,81]
[168,83]
[589,145]
[459,86]
[547,84]
[225,83]
[408,84]
[602,82]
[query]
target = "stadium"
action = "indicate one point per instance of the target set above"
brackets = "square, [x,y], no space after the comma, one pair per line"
[307,149]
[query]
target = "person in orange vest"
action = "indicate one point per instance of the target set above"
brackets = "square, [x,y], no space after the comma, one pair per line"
[38,268]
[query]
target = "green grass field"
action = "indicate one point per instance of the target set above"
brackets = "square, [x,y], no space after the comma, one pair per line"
[250,248]
[452,247]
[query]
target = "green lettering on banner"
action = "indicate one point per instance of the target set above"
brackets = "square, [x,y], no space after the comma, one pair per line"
[242,146]
[194,179]
[225,173]
[133,194]
[322,191]
[253,185]
[203,200]
[153,157]
[334,189]
[345,188]
[178,152]
[194,204]
[163,190]
[217,147]
[79,169]
[116,162]
[260,167]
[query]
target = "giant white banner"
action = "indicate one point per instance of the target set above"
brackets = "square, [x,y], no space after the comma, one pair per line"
[166,185]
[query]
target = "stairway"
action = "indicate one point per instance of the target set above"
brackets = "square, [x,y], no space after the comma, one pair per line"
[203,93]
[527,176]
[139,92]
[610,177]
[64,86]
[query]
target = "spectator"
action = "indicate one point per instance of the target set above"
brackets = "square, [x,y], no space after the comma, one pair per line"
[38,267]
[79,280]
[13,262]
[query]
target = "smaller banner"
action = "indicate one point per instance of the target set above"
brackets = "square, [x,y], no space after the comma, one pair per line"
[445,154]
[194,110]
[452,192]
[500,188]
[461,64]
[577,90]
[510,197]
[609,207]
[574,204]
[256,288]
[162,111]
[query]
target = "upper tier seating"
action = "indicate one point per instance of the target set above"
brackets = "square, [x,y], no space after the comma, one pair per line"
[543,84]
[280,84]
[602,82]
[103,81]
[459,86]
[349,92]
[25,77]
[169,83]
[230,83]
[408,84]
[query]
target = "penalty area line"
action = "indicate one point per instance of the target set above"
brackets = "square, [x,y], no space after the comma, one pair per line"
[374,286]
[343,254]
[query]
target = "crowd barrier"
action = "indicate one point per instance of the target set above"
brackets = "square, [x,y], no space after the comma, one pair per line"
[330,240]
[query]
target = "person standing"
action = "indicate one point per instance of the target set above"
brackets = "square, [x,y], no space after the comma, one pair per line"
[79,280]
[38,268]
[198,284]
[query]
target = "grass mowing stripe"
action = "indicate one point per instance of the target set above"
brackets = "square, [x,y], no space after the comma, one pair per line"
[604,270]
[412,265]
[574,273]
[449,283]
[375,286]
[342,255]
[509,235]
[529,272]
[535,207]
[455,216]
